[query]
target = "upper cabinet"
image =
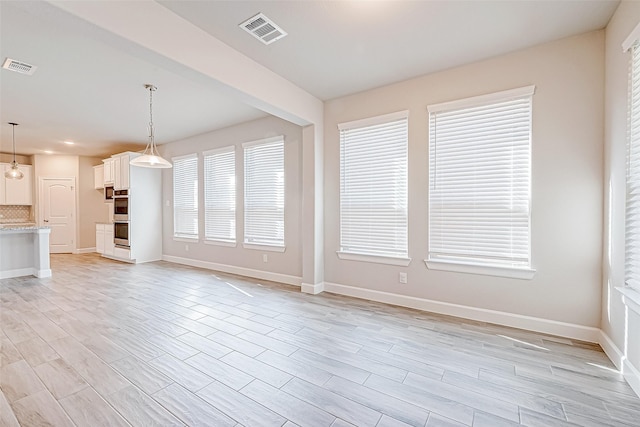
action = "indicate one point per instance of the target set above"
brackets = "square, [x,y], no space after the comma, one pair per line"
[16,191]
[108,171]
[122,171]
[98,177]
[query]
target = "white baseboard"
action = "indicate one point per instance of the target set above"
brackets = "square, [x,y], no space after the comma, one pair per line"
[18,272]
[536,324]
[232,269]
[42,273]
[632,375]
[21,272]
[611,350]
[84,250]
[312,289]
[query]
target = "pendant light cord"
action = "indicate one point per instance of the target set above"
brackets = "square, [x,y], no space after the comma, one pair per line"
[152,142]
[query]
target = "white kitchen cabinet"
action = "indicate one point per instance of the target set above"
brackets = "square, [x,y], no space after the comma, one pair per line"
[121,171]
[100,238]
[109,246]
[16,191]
[98,177]
[108,171]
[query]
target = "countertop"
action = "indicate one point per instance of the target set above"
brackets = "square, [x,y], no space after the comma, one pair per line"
[6,228]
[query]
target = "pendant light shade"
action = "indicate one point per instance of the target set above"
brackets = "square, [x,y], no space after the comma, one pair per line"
[150,158]
[14,172]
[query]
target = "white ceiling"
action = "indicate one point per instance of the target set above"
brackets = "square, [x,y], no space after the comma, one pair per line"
[89,84]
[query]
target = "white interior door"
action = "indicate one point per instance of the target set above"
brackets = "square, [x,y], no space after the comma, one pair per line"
[57,210]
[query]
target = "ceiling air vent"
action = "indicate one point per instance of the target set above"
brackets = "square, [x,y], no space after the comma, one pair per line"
[19,67]
[263,29]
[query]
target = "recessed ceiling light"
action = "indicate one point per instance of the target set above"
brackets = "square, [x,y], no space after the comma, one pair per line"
[69,142]
[48,152]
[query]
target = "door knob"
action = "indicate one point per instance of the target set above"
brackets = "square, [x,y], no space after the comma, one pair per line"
[46,220]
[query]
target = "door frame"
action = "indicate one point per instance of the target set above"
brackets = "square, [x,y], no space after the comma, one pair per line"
[40,220]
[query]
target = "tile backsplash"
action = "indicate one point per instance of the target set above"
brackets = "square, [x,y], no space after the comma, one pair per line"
[12,214]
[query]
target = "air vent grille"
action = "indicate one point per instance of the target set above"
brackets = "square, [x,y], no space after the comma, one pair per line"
[19,67]
[263,29]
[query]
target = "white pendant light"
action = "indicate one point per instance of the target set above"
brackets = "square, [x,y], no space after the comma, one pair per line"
[14,172]
[150,157]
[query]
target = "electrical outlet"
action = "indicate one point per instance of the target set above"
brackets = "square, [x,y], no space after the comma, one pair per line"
[265,258]
[402,278]
[186,248]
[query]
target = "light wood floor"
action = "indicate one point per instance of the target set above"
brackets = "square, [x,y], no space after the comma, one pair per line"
[106,343]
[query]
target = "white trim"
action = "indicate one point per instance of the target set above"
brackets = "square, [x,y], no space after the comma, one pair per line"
[186,239]
[490,98]
[308,288]
[536,324]
[42,273]
[630,298]
[227,149]
[631,38]
[85,250]
[279,138]
[232,269]
[21,272]
[378,259]
[18,272]
[630,372]
[186,156]
[632,375]
[263,247]
[370,121]
[486,270]
[220,243]
[611,350]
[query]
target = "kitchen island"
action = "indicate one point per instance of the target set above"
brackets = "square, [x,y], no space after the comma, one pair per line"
[24,251]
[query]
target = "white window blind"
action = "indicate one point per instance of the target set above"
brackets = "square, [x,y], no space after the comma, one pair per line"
[373,186]
[480,179]
[220,195]
[185,196]
[264,192]
[632,212]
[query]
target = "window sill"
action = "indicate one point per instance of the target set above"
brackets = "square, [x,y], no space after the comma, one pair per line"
[515,273]
[186,239]
[262,247]
[630,298]
[378,259]
[220,243]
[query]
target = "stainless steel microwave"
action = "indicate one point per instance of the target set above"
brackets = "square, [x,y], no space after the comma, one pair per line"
[108,193]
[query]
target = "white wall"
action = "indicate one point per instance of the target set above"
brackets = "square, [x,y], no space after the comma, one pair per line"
[622,328]
[566,190]
[286,266]
[90,207]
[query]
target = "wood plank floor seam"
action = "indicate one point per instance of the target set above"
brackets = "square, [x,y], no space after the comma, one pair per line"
[108,343]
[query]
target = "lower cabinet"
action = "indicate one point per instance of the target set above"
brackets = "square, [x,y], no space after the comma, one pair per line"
[104,239]
[109,246]
[100,238]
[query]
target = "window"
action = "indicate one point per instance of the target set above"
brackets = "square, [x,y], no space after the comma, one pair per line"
[632,211]
[264,193]
[479,184]
[220,195]
[373,189]
[185,197]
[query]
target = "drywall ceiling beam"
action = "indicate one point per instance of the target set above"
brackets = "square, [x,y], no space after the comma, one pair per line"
[154,27]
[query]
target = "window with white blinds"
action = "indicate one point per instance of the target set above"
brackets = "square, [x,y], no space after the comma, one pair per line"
[264,192]
[220,195]
[373,187]
[185,196]
[480,182]
[632,211]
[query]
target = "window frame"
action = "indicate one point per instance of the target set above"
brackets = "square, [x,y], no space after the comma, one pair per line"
[464,266]
[399,259]
[183,237]
[231,149]
[263,245]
